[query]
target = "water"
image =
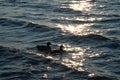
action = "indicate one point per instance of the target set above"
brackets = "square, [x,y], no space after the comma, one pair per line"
[88,29]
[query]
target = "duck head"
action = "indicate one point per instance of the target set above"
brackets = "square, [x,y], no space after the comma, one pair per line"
[61,48]
[48,43]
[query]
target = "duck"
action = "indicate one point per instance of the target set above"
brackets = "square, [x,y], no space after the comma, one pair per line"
[45,48]
[59,51]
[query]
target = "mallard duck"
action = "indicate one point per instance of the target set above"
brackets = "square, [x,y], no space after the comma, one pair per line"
[46,48]
[60,51]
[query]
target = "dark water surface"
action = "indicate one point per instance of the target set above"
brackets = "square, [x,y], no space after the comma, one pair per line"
[88,29]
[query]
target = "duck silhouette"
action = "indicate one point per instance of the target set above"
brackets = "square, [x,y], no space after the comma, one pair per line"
[59,51]
[45,48]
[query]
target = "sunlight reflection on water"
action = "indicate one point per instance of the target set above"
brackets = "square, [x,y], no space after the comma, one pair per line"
[80,29]
[74,58]
[77,28]
[81,6]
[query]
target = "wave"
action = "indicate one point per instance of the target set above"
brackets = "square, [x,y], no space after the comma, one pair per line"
[110,44]
[101,78]
[67,11]
[113,32]
[19,64]
[84,22]
[25,25]
[70,21]
[39,28]
[11,22]
[38,5]
[98,41]
[110,21]
[89,37]
[46,32]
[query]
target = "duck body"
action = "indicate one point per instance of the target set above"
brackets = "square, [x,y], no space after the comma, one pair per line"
[45,48]
[60,51]
[56,52]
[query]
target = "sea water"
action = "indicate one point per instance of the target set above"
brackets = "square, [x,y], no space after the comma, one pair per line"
[89,30]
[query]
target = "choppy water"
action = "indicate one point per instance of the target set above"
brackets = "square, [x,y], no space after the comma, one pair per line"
[89,30]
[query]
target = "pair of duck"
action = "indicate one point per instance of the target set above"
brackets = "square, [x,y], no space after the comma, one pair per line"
[47,49]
